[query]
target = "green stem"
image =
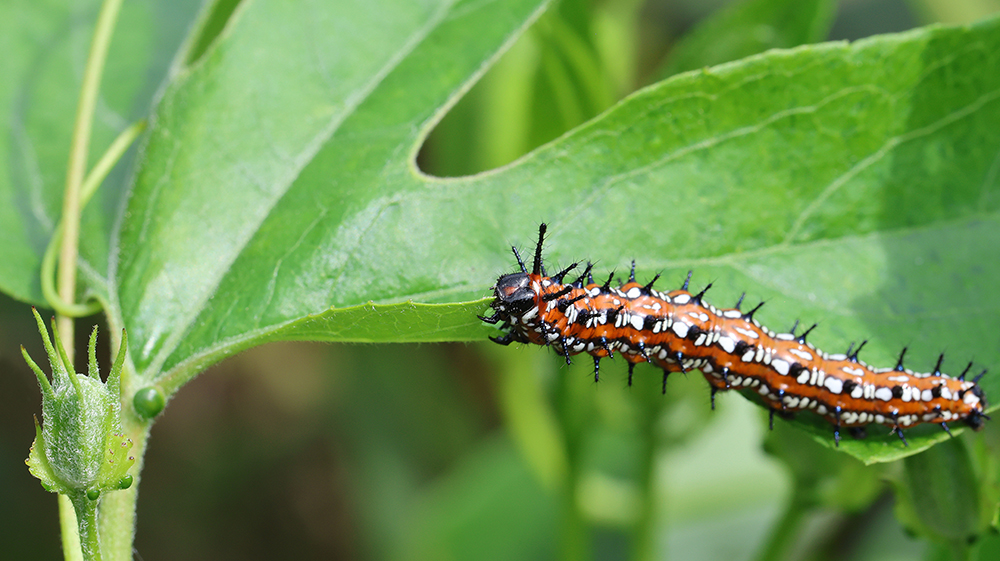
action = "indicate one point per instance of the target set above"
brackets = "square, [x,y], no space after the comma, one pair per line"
[78,151]
[784,534]
[574,532]
[75,169]
[575,538]
[86,516]
[644,531]
[89,187]
[69,530]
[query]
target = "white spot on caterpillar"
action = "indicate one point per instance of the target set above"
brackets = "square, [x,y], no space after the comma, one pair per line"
[926,395]
[902,379]
[785,337]
[747,356]
[835,385]
[803,377]
[634,292]
[870,391]
[821,409]
[760,354]
[853,371]
[700,340]
[801,354]
[804,403]
[732,314]
[858,391]
[914,394]
[596,291]
[780,366]
[682,299]
[883,393]
[699,315]
[747,332]
[970,398]
[945,392]
[727,344]
[530,314]
[637,321]
[680,328]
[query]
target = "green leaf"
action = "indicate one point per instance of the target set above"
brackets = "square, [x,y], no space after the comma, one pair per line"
[940,494]
[45,46]
[748,27]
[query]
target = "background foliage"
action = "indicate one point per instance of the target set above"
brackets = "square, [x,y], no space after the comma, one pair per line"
[401,451]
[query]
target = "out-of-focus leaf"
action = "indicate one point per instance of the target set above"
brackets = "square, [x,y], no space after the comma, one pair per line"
[749,27]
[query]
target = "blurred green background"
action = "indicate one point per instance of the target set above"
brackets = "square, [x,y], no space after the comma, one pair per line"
[412,452]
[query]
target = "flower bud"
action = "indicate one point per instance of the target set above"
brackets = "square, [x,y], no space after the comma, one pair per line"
[80,447]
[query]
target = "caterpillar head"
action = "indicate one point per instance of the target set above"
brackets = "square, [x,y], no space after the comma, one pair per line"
[513,294]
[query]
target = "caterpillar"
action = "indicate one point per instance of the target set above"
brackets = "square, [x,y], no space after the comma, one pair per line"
[678,331]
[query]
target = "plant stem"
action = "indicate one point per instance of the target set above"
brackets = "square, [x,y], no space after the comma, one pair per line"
[575,531]
[87,190]
[86,515]
[644,531]
[783,536]
[75,170]
[69,529]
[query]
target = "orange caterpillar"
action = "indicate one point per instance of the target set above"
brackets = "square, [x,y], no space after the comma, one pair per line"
[678,331]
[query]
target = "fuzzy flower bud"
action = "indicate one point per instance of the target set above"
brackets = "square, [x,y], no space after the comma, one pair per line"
[80,448]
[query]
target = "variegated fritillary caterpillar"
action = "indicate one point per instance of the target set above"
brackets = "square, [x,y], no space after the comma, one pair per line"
[678,332]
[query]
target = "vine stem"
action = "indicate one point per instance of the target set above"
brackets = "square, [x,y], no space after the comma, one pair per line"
[75,171]
[786,531]
[86,513]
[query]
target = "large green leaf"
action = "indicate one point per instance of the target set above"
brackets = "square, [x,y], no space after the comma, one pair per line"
[277,195]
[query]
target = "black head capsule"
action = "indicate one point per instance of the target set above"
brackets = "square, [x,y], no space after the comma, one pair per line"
[514,295]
